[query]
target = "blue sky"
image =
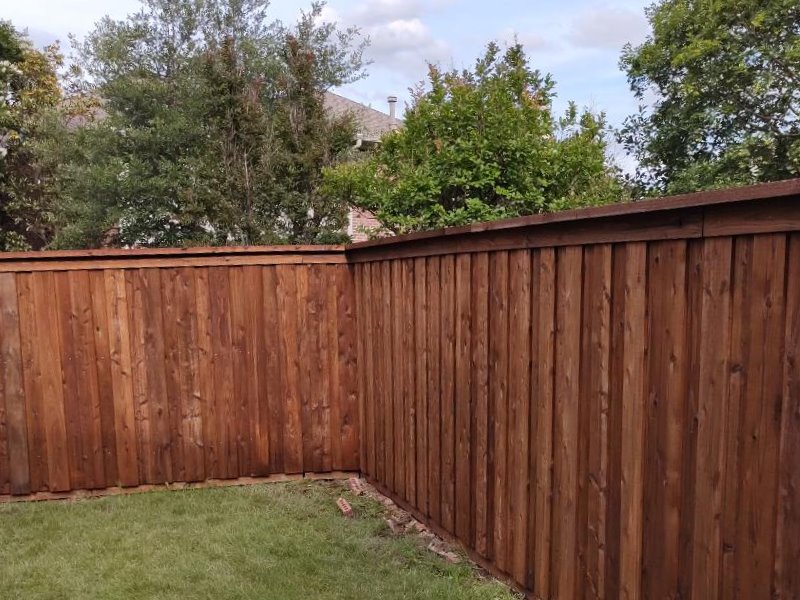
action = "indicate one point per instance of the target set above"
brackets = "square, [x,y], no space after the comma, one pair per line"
[577,41]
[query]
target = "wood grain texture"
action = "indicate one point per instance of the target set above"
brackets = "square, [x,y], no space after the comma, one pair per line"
[596,404]
[653,452]
[124,377]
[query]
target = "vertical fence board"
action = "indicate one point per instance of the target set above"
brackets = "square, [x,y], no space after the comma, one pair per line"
[15,467]
[447,403]
[712,398]
[105,385]
[519,372]
[740,333]
[543,331]
[117,313]
[664,428]
[344,358]
[434,405]
[397,413]
[205,373]
[370,341]
[498,408]
[273,414]
[787,549]
[380,346]
[566,423]
[595,404]
[32,381]
[632,398]
[174,367]
[758,449]
[192,386]
[479,329]
[463,397]
[289,332]
[421,382]
[409,382]
[49,355]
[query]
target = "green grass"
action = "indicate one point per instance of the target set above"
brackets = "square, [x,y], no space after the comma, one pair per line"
[279,541]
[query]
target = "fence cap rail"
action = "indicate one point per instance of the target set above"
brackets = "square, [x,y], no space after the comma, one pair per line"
[727,196]
[192,251]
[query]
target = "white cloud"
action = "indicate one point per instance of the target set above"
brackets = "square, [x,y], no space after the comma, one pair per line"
[374,12]
[405,45]
[608,28]
[531,40]
[401,40]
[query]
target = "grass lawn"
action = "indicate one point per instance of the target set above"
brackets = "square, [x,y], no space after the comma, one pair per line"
[279,541]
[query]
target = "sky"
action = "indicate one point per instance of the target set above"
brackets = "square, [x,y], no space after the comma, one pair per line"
[577,41]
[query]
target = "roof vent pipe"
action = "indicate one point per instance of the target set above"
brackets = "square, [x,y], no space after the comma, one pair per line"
[392,106]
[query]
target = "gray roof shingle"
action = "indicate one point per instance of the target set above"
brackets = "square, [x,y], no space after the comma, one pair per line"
[372,124]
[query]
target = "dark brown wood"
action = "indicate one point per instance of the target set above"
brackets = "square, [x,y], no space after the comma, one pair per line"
[15,459]
[594,398]
[463,397]
[598,404]
[420,317]
[632,397]
[344,359]
[543,331]
[787,577]
[479,333]
[519,372]
[448,379]
[764,192]
[646,226]
[397,412]
[666,411]
[566,418]
[125,377]
[498,408]
[712,403]
[758,449]
[434,389]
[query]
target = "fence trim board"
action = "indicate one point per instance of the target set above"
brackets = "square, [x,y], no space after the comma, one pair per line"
[730,196]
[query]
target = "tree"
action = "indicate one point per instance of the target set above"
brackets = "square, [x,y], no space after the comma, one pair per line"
[193,93]
[28,91]
[479,145]
[723,80]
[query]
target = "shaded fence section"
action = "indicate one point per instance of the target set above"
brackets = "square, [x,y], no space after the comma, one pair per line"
[604,403]
[123,368]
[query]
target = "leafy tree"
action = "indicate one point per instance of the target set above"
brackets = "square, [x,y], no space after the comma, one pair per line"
[479,145]
[28,91]
[723,79]
[193,96]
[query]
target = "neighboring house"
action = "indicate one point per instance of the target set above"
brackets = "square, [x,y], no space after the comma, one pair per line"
[371,125]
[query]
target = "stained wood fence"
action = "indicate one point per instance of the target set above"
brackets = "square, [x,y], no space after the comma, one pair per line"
[151,367]
[598,404]
[601,403]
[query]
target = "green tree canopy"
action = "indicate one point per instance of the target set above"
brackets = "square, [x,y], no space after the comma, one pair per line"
[28,90]
[212,127]
[719,83]
[479,145]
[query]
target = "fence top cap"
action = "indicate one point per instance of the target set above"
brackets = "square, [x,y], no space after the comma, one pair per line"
[751,193]
[198,251]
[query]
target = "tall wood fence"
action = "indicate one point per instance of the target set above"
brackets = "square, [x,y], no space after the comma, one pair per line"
[604,403]
[597,403]
[149,367]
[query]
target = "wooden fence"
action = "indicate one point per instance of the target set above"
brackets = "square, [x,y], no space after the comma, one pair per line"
[149,367]
[602,403]
[596,403]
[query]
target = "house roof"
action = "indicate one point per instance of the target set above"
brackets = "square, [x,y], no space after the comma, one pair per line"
[372,124]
